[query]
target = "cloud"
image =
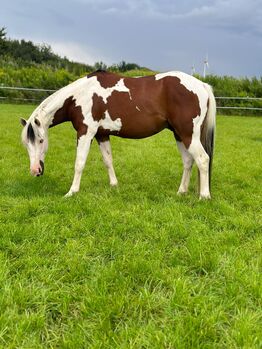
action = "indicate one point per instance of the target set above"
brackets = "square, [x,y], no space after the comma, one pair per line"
[78,52]
[233,15]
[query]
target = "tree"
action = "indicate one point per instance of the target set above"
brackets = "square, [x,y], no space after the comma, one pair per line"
[100,66]
[3,41]
[3,34]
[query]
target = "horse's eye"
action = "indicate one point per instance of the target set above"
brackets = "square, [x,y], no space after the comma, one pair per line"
[41,141]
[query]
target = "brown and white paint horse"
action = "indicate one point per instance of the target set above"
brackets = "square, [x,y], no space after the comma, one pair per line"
[103,104]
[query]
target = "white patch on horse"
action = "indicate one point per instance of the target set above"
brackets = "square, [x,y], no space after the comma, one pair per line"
[138,108]
[106,92]
[108,124]
[187,165]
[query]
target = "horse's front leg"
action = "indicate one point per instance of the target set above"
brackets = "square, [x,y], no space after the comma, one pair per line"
[83,147]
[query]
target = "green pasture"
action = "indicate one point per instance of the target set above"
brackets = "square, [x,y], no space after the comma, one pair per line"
[134,266]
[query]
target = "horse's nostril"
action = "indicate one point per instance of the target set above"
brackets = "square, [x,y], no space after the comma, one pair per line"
[42,167]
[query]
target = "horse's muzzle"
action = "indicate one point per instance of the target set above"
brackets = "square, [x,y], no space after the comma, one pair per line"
[38,170]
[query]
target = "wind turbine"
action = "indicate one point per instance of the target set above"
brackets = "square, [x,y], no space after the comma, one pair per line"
[206,66]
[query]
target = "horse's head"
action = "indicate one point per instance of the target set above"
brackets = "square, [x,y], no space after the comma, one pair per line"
[35,139]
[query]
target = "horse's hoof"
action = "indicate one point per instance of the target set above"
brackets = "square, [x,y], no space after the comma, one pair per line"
[205,197]
[181,193]
[69,194]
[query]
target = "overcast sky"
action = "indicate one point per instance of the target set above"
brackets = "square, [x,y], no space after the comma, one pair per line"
[161,35]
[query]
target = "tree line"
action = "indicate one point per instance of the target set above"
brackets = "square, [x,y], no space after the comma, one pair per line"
[22,53]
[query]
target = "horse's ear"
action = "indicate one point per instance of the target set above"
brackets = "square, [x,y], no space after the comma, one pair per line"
[37,122]
[23,122]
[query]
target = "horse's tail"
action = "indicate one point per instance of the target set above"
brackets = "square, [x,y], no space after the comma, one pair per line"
[208,130]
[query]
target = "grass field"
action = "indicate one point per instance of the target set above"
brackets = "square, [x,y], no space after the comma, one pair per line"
[137,266]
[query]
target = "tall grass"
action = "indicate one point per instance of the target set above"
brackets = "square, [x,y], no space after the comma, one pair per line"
[136,266]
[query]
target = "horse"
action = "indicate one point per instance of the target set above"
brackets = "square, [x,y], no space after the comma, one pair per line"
[103,103]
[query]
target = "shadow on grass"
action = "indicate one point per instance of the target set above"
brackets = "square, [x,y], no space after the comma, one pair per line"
[155,189]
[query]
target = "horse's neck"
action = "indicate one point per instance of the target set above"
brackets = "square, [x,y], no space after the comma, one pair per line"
[57,106]
[53,110]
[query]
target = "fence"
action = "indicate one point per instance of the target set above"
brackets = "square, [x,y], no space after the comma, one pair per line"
[239,99]
[13,98]
[46,92]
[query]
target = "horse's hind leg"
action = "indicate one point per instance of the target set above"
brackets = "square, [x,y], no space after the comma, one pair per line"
[106,151]
[202,161]
[187,168]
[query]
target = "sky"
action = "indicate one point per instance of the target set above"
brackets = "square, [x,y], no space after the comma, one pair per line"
[161,35]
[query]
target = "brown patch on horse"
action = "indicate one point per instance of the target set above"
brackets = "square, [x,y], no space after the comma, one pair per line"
[106,79]
[61,115]
[183,106]
[121,109]
[178,139]
[146,93]
[141,110]
[101,138]
[99,107]
[70,112]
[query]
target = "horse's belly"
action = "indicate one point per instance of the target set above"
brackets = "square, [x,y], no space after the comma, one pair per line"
[142,126]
